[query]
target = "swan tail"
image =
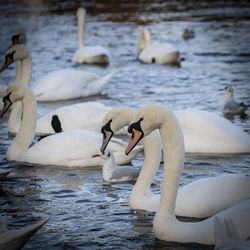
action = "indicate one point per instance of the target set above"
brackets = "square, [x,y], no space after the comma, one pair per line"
[98,85]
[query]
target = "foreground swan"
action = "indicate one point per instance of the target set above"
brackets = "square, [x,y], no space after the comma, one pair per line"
[16,239]
[156,52]
[231,107]
[200,198]
[227,236]
[54,86]
[88,54]
[166,226]
[113,173]
[70,148]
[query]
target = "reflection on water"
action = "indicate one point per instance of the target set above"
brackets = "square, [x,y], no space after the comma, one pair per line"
[84,211]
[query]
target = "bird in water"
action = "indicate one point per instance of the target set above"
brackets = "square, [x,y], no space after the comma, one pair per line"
[231,107]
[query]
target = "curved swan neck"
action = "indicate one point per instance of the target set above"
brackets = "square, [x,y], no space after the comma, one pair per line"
[152,158]
[18,71]
[27,129]
[81,22]
[173,147]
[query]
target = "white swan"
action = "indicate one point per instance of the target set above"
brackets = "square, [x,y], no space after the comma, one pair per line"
[156,52]
[16,238]
[209,133]
[70,148]
[231,107]
[200,199]
[113,173]
[227,236]
[57,85]
[88,54]
[165,224]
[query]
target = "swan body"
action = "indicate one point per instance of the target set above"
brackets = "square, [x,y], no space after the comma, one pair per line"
[16,238]
[209,133]
[156,52]
[69,84]
[231,107]
[88,54]
[69,148]
[166,226]
[227,236]
[113,173]
[200,199]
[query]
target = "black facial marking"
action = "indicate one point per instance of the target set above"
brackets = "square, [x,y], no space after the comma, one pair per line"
[106,127]
[6,98]
[136,125]
[15,38]
[108,154]
[10,56]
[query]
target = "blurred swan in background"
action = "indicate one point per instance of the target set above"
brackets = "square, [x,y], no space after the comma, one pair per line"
[69,148]
[231,107]
[166,226]
[156,52]
[88,54]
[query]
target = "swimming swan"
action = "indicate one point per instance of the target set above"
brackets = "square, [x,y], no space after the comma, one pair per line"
[57,85]
[200,198]
[88,54]
[156,52]
[165,224]
[72,148]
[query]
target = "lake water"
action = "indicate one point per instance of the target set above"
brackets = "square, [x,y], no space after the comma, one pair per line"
[86,213]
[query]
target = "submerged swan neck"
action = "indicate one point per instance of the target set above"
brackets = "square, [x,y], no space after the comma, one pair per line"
[81,22]
[173,147]
[27,129]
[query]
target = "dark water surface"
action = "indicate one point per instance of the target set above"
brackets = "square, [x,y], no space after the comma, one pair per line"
[86,213]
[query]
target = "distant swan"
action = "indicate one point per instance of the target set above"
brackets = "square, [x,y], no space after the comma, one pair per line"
[200,198]
[88,54]
[156,52]
[72,148]
[165,224]
[58,85]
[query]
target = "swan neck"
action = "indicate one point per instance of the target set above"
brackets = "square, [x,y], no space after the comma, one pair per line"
[26,69]
[81,24]
[18,71]
[144,40]
[173,148]
[27,129]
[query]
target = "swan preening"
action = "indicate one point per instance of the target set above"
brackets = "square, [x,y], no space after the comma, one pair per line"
[113,173]
[156,52]
[166,226]
[16,238]
[200,199]
[88,54]
[72,148]
[231,107]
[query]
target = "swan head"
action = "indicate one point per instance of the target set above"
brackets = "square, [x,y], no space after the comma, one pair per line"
[146,120]
[18,38]
[114,120]
[15,53]
[13,93]
[81,12]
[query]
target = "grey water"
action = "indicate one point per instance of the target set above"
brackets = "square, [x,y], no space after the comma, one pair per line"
[85,212]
